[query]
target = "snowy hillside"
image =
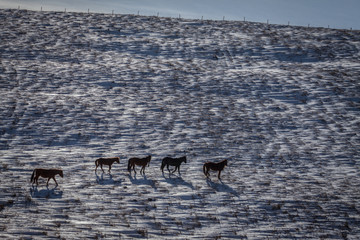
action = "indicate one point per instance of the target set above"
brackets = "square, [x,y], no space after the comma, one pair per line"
[281,103]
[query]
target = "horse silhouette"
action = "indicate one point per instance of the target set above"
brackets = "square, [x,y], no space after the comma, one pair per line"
[140,162]
[106,161]
[168,161]
[45,173]
[215,167]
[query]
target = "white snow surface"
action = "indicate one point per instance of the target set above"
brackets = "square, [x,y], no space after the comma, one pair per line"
[281,103]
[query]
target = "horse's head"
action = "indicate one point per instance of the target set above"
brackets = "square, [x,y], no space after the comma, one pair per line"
[117,160]
[184,159]
[148,159]
[225,162]
[61,173]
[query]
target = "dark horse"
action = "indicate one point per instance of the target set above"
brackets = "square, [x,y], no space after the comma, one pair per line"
[106,161]
[45,173]
[168,161]
[214,166]
[139,161]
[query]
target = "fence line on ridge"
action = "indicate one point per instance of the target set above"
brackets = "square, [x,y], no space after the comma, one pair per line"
[202,19]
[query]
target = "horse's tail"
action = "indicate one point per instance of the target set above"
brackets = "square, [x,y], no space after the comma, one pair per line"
[32,176]
[162,165]
[96,162]
[129,165]
[204,167]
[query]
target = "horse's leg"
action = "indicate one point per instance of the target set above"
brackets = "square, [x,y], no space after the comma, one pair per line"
[168,167]
[179,170]
[55,180]
[143,170]
[134,167]
[47,183]
[109,168]
[219,174]
[102,167]
[175,169]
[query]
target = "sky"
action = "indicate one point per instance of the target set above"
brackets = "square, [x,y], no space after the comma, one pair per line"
[342,14]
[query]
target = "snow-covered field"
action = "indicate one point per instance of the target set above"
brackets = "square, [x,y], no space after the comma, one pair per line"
[281,103]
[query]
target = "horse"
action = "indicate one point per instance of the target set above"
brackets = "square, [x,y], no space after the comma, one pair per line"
[168,161]
[214,166]
[106,161]
[45,173]
[139,161]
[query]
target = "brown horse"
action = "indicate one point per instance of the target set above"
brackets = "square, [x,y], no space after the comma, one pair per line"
[139,161]
[45,173]
[106,161]
[214,166]
[172,162]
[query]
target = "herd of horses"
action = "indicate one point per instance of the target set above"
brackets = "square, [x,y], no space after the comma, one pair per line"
[132,163]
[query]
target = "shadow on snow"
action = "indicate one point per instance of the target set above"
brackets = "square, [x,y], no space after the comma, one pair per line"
[45,193]
[221,187]
[178,180]
[106,181]
[143,181]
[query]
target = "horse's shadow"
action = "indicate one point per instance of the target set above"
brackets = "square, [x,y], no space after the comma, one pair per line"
[221,187]
[106,181]
[45,193]
[143,181]
[178,180]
